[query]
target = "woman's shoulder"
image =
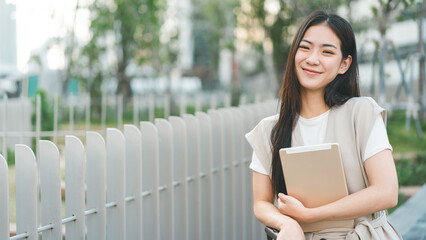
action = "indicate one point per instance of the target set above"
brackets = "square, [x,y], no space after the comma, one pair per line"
[273,118]
[360,109]
[268,122]
[361,100]
[264,126]
[362,104]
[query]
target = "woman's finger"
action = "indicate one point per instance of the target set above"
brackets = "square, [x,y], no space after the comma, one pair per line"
[282,197]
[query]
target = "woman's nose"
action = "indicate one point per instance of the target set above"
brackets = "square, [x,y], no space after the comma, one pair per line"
[312,58]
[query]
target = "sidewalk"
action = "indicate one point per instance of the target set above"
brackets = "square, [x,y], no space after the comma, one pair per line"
[410,218]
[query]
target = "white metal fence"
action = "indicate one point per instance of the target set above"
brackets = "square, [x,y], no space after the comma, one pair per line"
[182,178]
[15,123]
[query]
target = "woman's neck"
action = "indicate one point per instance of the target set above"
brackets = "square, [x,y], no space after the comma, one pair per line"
[313,104]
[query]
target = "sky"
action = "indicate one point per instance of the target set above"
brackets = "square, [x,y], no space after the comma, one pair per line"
[37,21]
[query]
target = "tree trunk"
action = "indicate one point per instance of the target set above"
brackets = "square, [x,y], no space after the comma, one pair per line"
[422,100]
[236,86]
[123,86]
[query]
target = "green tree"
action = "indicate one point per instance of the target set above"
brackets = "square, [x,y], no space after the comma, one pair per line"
[214,22]
[387,11]
[46,112]
[128,28]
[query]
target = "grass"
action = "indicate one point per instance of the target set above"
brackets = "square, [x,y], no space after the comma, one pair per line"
[401,140]
[411,172]
[12,194]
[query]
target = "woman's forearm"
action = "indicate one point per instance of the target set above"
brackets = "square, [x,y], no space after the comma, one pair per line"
[269,215]
[364,202]
[381,194]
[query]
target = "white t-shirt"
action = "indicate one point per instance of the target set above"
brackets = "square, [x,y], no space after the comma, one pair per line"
[313,132]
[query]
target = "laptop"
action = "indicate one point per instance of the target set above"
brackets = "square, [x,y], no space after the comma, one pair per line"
[315,176]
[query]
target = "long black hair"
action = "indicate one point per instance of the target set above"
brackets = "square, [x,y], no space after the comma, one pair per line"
[337,92]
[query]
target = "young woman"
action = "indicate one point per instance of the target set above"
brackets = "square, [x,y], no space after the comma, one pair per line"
[320,103]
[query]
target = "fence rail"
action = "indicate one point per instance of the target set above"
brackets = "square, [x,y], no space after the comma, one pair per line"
[16,126]
[182,178]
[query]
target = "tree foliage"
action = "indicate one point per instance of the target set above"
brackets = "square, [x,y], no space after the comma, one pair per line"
[129,31]
[214,22]
[389,10]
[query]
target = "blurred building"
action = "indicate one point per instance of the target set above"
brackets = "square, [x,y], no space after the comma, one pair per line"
[186,42]
[8,61]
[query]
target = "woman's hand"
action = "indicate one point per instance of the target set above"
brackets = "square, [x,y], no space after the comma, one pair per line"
[268,213]
[291,230]
[292,207]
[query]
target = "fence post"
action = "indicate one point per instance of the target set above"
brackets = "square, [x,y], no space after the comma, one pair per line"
[135,109]
[55,118]
[166,195]
[219,214]
[182,104]
[248,216]
[21,122]
[133,182]
[180,156]
[119,112]
[4,126]
[198,102]
[4,199]
[26,178]
[213,101]
[237,170]
[71,112]
[74,187]
[228,142]
[50,184]
[243,100]
[150,180]
[88,102]
[116,155]
[166,105]
[193,168]
[103,112]
[38,124]
[151,107]
[227,100]
[206,168]
[96,158]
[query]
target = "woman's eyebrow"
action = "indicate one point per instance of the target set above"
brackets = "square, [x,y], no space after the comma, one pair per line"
[329,45]
[304,40]
[323,45]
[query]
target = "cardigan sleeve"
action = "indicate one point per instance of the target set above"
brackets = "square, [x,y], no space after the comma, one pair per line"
[259,139]
[366,111]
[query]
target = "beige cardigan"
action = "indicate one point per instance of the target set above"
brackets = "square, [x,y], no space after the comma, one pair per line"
[349,125]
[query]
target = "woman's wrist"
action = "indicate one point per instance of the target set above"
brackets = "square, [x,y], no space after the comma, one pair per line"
[290,229]
[311,215]
[287,222]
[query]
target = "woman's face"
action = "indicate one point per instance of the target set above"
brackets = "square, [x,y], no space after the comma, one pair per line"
[318,58]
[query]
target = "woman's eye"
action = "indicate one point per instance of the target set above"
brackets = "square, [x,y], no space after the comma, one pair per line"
[328,52]
[303,47]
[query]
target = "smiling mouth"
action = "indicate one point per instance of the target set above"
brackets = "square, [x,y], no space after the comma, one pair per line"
[310,71]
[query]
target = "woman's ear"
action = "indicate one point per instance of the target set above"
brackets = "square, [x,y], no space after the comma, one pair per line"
[346,63]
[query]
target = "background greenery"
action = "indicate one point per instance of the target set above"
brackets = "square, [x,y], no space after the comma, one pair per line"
[411,167]
[135,33]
